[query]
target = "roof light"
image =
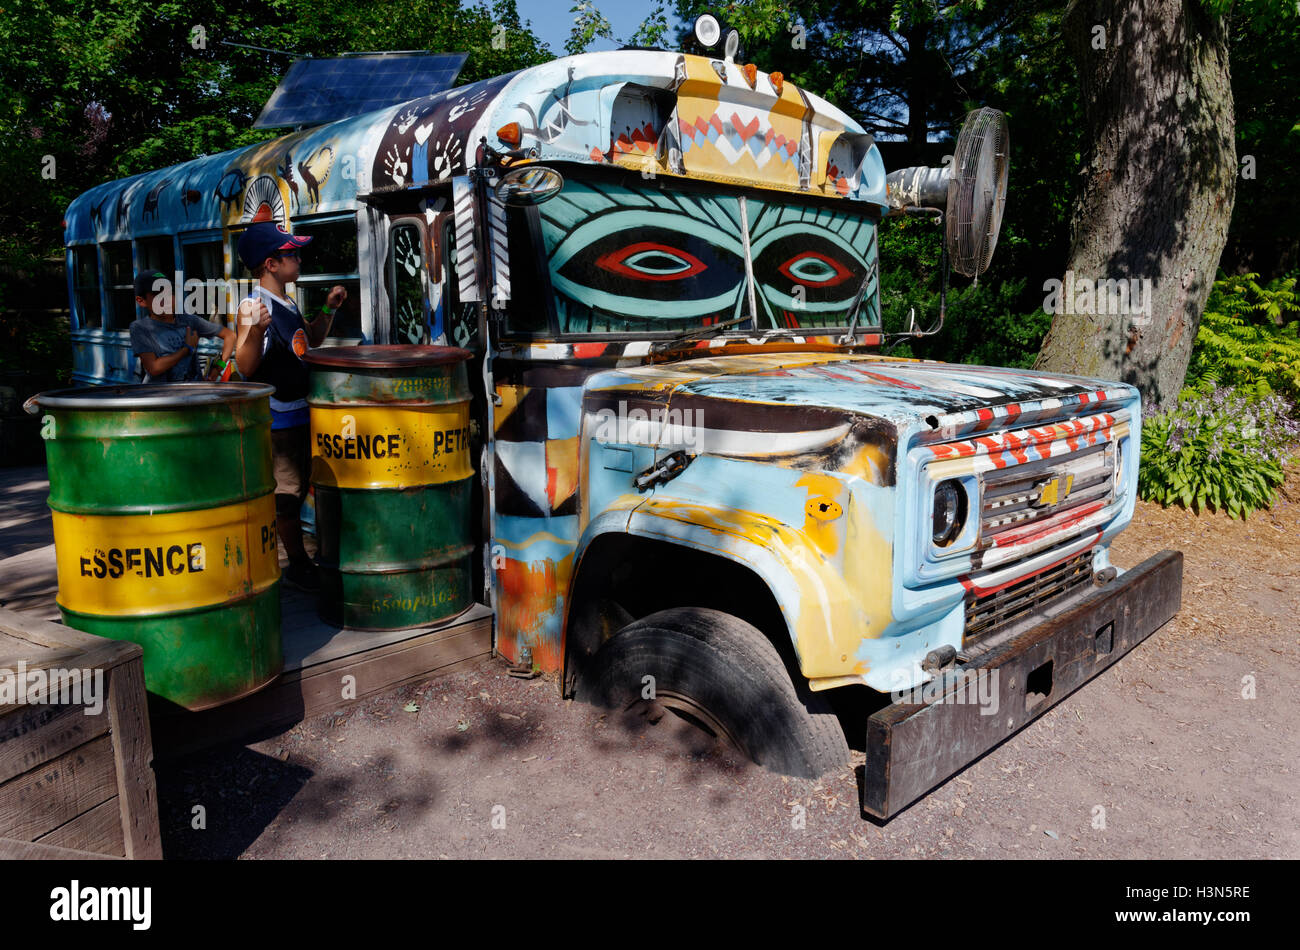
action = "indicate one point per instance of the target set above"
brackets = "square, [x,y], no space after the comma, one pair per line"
[751,74]
[707,30]
[777,80]
[731,46]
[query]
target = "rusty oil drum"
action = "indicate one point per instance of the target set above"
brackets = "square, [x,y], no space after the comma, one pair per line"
[163,504]
[393,480]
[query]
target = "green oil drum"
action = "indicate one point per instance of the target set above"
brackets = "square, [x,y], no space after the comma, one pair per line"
[393,477]
[163,506]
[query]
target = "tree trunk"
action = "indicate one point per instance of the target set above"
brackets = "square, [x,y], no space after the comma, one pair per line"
[919,63]
[1156,195]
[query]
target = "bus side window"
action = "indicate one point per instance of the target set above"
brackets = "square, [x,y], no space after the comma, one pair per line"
[119,281]
[85,286]
[407,298]
[331,259]
[201,261]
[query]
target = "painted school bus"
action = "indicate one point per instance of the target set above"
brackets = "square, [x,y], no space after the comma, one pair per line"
[703,486]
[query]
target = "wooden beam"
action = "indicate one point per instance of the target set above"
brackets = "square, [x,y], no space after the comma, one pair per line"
[133,760]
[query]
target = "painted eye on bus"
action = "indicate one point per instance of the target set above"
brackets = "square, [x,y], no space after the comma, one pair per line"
[814,269]
[808,272]
[675,269]
[651,260]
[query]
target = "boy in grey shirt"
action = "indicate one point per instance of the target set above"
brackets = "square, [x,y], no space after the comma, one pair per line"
[166,342]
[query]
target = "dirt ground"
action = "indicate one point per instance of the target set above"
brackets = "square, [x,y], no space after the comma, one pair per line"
[1165,749]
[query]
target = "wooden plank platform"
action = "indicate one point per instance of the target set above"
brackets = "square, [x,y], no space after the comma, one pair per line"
[319,658]
[327,668]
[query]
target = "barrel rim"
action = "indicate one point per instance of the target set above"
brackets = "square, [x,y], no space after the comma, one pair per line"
[133,396]
[386,356]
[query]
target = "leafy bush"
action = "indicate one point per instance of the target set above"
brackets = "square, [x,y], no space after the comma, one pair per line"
[1222,451]
[1245,341]
[985,323]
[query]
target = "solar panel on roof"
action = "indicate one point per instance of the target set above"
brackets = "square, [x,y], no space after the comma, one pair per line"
[316,91]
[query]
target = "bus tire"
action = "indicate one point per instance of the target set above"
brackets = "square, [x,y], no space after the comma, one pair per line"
[724,674]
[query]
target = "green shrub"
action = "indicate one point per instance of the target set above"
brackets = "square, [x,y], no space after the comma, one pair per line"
[985,323]
[1245,342]
[1223,450]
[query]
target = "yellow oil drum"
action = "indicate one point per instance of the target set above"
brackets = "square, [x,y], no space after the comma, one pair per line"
[162,499]
[393,479]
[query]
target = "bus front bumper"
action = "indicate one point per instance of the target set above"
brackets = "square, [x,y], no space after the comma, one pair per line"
[916,744]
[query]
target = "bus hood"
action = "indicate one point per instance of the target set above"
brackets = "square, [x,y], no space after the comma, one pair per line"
[821,410]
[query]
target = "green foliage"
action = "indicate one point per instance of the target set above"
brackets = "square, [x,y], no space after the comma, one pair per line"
[985,324]
[653,31]
[35,345]
[1224,450]
[588,24]
[1265,47]
[94,91]
[1248,338]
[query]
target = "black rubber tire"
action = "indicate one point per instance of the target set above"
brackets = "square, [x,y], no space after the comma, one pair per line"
[729,668]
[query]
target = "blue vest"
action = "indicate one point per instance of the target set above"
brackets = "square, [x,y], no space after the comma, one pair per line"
[281,367]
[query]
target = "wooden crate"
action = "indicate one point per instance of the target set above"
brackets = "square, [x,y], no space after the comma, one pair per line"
[73,784]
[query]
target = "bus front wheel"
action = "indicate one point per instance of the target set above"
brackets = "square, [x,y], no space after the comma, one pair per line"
[725,676]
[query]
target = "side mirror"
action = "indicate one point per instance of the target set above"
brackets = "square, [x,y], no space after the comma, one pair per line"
[529,185]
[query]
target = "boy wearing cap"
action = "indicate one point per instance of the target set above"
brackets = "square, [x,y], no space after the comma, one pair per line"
[166,341]
[272,340]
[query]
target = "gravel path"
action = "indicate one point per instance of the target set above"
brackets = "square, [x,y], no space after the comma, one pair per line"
[1164,750]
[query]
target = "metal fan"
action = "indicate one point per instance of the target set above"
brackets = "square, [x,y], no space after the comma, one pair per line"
[971,192]
[977,191]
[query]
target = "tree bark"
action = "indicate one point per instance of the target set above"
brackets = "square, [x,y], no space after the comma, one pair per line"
[920,61]
[1157,189]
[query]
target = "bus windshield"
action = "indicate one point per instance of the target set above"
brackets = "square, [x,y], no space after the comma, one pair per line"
[632,257]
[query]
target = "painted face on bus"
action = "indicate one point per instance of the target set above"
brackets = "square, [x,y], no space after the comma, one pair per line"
[627,259]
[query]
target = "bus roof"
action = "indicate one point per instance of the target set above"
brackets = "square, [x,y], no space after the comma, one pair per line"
[661,113]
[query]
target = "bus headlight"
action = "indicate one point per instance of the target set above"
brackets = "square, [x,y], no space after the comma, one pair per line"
[949,512]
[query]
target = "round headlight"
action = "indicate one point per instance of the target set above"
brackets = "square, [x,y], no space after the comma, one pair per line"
[708,30]
[949,512]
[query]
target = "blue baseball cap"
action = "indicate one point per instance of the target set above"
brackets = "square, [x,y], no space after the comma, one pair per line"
[261,240]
